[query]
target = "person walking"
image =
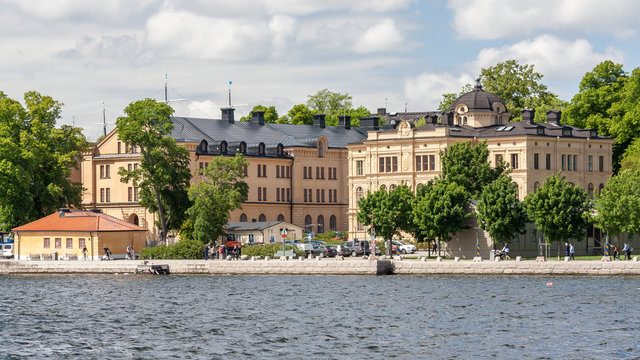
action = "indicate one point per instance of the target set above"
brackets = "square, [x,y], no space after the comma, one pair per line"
[129,252]
[206,252]
[627,251]
[572,252]
[84,252]
[566,249]
[615,252]
[505,250]
[107,252]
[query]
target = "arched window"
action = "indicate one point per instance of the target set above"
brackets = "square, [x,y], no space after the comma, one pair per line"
[223,147]
[600,187]
[280,149]
[464,120]
[320,224]
[383,187]
[333,225]
[307,224]
[204,145]
[392,186]
[243,217]
[261,148]
[496,120]
[133,219]
[360,226]
[280,217]
[262,218]
[243,148]
[536,185]
[321,147]
[590,190]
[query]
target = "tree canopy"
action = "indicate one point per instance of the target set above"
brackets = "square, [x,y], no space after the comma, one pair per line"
[387,211]
[468,165]
[500,212]
[298,115]
[270,114]
[440,209]
[519,86]
[618,206]
[163,176]
[220,190]
[559,209]
[36,160]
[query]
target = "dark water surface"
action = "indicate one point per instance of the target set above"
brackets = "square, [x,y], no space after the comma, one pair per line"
[323,317]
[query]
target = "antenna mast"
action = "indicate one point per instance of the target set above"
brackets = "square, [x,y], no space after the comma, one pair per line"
[104,120]
[229,93]
[166,98]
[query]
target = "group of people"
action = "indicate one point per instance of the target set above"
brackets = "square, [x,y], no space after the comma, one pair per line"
[108,254]
[626,249]
[211,251]
[570,251]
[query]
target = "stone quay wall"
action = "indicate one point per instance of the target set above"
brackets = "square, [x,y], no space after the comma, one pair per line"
[347,266]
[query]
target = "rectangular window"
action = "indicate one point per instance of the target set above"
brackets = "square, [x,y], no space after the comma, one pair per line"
[135,194]
[418,163]
[381,167]
[329,173]
[135,166]
[101,171]
[305,195]
[107,171]
[201,165]
[47,243]
[259,170]
[288,172]
[317,195]
[107,195]
[81,243]
[395,164]
[101,195]
[514,161]
[288,195]
[259,194]
[335,195]
[564,162]
[548,161]
[425,163]
[590,163]
[335,173]
[277,194]
[575,162]
[569,162]
[130,167]
[432,162]
[359,167]
[58,243]
[310,195]
[277,171]
[322,173]
[601,163]
[264,194]
[119,147]
[330,195]
[322,193]
[130,194]
[69,243]
[536,161]
[497,159]
[387,164]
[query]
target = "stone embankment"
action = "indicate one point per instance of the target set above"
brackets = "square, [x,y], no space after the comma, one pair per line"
[347,266]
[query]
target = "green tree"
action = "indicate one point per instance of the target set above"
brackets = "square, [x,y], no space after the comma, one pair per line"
[331,104]
[36,160]
[500,212]
[299,115]
[219,191]
[559,209]
[440,210]
[468,165]
[519,86]
[618,206]
[631,157]
[388,212]
[163,175]
[270,114]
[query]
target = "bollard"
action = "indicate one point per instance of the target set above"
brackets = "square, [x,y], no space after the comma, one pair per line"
[477,250]
[518,258]
[456,259]
[423,258]
[439,259]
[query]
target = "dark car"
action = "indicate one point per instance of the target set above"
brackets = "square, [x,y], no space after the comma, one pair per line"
[343,250]
[324,251]
[359,248]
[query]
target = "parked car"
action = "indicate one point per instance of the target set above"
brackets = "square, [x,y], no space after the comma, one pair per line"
[359,248]
[317,242]
[328,251]
[343,250]
[404,248]
[6,250]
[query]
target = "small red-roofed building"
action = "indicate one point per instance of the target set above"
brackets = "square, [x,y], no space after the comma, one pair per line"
[64,234]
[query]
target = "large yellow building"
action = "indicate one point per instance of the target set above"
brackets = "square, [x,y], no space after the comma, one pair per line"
[400,153]
[296,173]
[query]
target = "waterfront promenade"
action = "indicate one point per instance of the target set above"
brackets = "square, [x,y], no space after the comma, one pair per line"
[348,266]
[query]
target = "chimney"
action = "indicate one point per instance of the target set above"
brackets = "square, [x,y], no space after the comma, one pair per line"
[431,119]
[227,114]
[382,111]
[369,123]
[318,120]
[553,117]
[64,211]
[257,117]
[344,121]
[447,118]
[528,115]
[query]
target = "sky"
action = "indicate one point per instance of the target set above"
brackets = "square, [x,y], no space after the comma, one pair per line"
[385,53]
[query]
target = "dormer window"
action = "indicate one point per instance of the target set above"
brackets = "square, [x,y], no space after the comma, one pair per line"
[566,132]
[261,148]
[204,146]
[223,147]
[280,149]
[540,131]
[593,133]
[243,148]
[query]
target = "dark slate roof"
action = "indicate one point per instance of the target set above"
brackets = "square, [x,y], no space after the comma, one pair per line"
[251,133]
[249,226]
[519,128]
[477,100]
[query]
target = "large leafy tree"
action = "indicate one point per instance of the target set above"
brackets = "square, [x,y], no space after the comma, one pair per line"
[631,157]
[298,115]
[618,206]
[388,212]
[468,165]
[330,103]
[560,210]
[518,85]
[270,114]
[440,209]
[163,176]
[36,160]
[500,212]
[219,190]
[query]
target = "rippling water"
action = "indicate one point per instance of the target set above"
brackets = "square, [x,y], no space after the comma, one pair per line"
[326,317]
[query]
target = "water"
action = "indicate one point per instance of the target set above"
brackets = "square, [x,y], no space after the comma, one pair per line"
[324,317]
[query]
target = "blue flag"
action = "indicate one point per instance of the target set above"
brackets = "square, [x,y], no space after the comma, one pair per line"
[229,82]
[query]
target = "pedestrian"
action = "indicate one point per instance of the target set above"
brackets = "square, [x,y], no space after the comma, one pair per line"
[435,247]
[221,252]
[615,252]
[627,251]
[129,252]
[107,252]
[85,251]
[505,250]
[212,251]
[206,252]
[572,252]
[566,249]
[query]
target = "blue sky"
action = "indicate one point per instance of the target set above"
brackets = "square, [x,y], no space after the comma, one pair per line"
[276,52]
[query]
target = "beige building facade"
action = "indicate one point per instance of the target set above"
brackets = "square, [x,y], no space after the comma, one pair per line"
[399,153]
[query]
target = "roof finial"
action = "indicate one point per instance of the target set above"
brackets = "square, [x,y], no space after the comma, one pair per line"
[478,84]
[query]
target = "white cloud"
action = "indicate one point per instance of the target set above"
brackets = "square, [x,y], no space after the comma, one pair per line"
[79,9]
[494,19]
[553,57]
[382,36]
[424,92]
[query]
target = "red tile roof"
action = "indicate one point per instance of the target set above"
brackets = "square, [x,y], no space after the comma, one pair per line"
[79,220]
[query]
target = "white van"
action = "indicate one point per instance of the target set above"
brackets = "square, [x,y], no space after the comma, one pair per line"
[7,250]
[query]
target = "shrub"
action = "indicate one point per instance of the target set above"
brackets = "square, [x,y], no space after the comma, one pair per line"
[268,250]
[183,249]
